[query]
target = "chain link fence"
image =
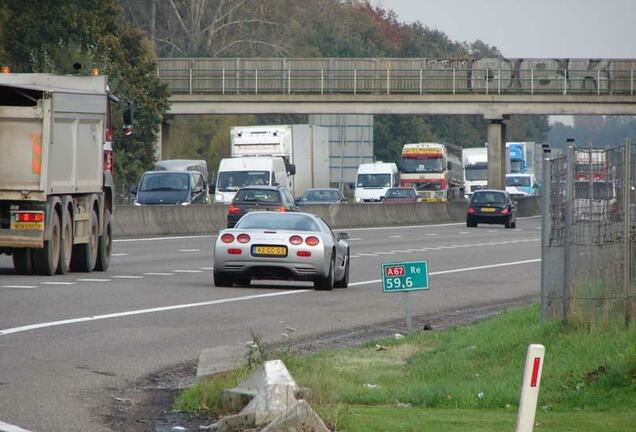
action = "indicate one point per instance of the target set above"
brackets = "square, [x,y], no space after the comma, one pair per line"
[589,235]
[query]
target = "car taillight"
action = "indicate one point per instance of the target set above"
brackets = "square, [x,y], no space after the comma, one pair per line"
[295,239]
[29,217]
[243,238]
[281,209]
[234,251]
[233,210]
[303,253]
[108,161]
[505,211]
[471,210]
[312,241]
[227,238]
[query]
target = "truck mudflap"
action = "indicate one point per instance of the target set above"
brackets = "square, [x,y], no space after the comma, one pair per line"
[10,238]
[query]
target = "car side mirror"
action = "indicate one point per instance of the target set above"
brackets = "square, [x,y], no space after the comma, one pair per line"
[133,190]
[298,201]
[343,236]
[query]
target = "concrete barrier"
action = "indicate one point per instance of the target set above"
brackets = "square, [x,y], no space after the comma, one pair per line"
[135,221]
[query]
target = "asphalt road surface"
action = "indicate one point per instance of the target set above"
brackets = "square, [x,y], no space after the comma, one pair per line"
[68,342]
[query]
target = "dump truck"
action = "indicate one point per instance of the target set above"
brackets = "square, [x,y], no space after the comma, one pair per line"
[56,163]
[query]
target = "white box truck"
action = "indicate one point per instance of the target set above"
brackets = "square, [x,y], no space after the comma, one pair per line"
[374,179]
[56,188]
[304,149]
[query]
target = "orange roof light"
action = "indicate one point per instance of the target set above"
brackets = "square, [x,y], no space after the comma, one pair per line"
[95,71]
[5,69]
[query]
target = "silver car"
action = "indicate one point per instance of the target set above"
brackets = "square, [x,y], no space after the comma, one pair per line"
[281,246]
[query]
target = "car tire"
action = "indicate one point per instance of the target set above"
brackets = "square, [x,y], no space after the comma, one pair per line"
[513,225]
[66,243]
[326,283]
[471,224]
[105,244]
[46,260]
[344,282]
[222,279]
[508,224]
[243,281]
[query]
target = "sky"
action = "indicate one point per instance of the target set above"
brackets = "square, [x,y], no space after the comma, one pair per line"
[531,28]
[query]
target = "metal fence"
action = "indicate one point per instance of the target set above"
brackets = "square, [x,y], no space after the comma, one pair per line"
[589,235]
[397,76]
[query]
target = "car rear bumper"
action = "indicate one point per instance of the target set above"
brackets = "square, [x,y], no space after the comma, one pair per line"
[488,218]
[303,271]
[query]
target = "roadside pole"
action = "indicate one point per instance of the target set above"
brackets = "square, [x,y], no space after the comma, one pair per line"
[407,313]
[530,388]
[545,229]
[567,231]
[404,277]
[627,184]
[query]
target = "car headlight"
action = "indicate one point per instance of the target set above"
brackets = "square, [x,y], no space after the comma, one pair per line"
[358,199]
[136,203]
[218,197]
[185,203]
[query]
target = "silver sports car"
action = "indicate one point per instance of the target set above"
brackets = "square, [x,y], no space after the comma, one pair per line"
[281,246]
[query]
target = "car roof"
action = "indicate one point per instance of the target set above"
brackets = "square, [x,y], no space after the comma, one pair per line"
[172,172]
[490,190]
[264,187]
[322,189]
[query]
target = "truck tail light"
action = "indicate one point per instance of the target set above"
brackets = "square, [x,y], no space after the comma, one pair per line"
[108,161]
[29,217]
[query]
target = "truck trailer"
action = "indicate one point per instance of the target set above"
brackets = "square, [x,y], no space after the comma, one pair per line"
[56,185]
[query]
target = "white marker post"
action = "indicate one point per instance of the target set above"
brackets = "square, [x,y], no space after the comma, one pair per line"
[530,388]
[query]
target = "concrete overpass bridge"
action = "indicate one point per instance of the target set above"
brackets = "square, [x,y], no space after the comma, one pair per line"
[492,88]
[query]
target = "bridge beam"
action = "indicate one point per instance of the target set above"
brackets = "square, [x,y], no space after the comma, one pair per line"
[496,154]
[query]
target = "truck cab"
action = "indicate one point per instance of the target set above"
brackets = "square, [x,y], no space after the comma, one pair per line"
[238,172]
[521,185]
[373,180]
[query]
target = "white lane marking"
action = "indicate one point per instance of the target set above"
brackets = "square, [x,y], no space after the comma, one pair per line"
[518,229]
[57,283]
[187,271]
[464,232]
[206,268]
[18,286]
[146,311]
[368,254]
[6,427]
[354,239]
[163,238]
[189,250]
[431,234]
[395,236]
[419,226]
[459,270]
[158,274]
[128,277]
[401,251]
[385,253]
[354,256]
[118,254]
[492,231]
[228,300]
[94,280]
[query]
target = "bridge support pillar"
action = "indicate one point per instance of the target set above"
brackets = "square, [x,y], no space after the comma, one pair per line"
[162,146]
[496,153]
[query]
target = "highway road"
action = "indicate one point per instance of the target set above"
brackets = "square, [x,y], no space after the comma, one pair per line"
[68,343]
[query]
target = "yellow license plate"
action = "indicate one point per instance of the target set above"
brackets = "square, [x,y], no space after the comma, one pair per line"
[27,226]
[270,250]
[488,209]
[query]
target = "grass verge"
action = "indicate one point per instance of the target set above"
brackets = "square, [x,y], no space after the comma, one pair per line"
[465,378]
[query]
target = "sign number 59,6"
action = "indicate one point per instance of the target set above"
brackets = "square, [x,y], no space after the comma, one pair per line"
[396,283]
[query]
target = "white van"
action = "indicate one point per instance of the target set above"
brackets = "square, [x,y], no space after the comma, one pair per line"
[374,179]
[234,173]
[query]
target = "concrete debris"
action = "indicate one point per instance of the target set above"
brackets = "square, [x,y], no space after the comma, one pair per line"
[268,399]
[371,386]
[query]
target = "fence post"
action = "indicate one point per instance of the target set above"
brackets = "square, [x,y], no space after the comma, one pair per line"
[546,229]
[498,81]
[190,78]
[532,81]
[631,83]
[567,229]
[255,81]
[627,183]
[388,81]
[355,81]
[565,82]
[454,82]
[322,81]
[598,85]
[223,81]
[487,80]
[421,90]
[530,388]
[288,80]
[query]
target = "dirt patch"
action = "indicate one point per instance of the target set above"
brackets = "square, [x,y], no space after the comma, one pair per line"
[592,376]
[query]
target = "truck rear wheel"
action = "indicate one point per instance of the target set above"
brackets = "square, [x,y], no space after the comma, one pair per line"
[23,261]
[105,244]
[46,260]
[66,244]
[85,254]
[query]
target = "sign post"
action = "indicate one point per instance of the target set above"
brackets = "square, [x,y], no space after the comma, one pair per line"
[404,277]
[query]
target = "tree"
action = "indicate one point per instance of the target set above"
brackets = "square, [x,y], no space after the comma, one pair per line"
[55,35]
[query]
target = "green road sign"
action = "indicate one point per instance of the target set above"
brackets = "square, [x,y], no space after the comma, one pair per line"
[405,276]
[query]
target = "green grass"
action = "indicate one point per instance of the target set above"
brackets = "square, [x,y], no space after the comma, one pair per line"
[466,374]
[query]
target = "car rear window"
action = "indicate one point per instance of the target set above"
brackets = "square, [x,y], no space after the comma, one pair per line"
[488,198]
[291,222]
[321,195]
[258,195]
[400,193]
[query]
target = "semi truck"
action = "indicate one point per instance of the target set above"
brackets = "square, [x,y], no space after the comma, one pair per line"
[303,150]
[434,170]
[56,185]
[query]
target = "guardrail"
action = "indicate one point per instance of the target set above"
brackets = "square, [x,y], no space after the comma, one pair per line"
[398,76]
[134,221]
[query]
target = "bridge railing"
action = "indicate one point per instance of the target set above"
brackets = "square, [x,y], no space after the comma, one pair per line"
[195,76]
